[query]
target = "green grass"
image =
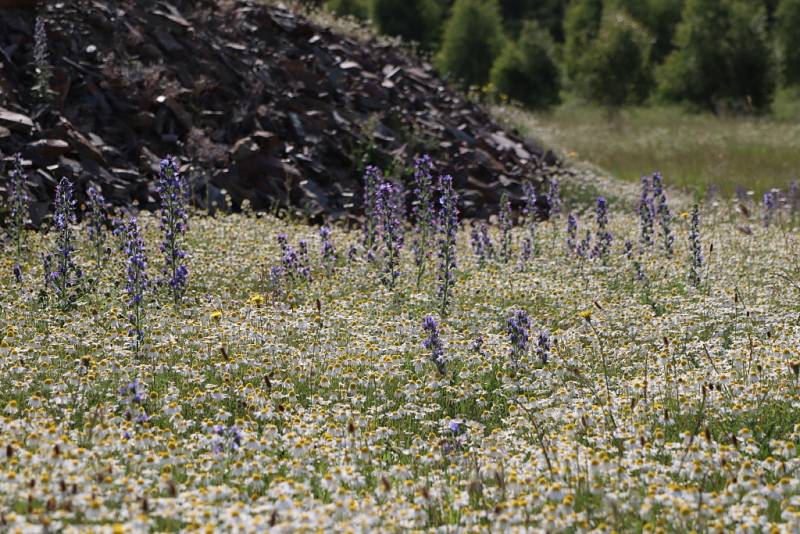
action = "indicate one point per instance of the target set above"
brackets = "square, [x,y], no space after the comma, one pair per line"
[693,151]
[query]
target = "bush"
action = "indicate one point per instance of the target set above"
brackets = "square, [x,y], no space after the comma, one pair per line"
[355,8]
[787,29]
[473,37]
[526,70]
[413,20]
[548,13]
[581,26]
[659,17]
[722,59]
[615,69]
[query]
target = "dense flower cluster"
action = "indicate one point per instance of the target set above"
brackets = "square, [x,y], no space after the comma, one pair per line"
[340,404]
[519,326]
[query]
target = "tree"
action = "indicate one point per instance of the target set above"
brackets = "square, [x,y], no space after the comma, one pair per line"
[659,17]
[723,59]
[473,37]
[413,20]
[787,29]
[526,70]
[581,26]
[615,69]
[548,13]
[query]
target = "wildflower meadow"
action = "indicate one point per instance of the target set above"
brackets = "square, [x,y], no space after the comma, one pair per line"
[596,368]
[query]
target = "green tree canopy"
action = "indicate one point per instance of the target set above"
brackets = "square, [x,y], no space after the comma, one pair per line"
[473,37]
[526,70]
[723,58]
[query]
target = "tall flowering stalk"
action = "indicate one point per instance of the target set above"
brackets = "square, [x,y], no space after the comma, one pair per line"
[554,199]
[530,211]
[41,89]
[390,229]
[794,197]
[518,327]
[603,245]
[18,207]
[96,225]
[506,224]
[327,250]
[293,263]
[65,275]
[373,178]
[543,346]
[582,250]
[768,208]
[136,281]
[172,190]
[481,243]
[433,343]
[646,213]
[423,213]
[448,227]
[664,215]
[304,259]
[695,248]
[572,233]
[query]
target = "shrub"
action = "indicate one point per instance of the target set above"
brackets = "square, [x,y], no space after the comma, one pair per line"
[548,13]
[526,70]
[413,20]
[473,37]
[722,59]
[581,26]
[615,69]
[355,8]
[787,23]
[659,17]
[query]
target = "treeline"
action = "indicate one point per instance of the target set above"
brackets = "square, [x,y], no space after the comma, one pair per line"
[719,55]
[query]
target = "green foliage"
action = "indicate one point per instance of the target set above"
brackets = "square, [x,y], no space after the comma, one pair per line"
[526,70]
[548,13]
[787,30]
[723,58]
[473,37]
[355,8]
[615,69]
[581,26]
[659,17]
[413,20]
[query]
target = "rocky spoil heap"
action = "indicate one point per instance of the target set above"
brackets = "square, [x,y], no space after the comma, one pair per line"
[255,100]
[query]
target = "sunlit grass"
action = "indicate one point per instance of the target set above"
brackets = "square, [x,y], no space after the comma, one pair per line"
[693,151]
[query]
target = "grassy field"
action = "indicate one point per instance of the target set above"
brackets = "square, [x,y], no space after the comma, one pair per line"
[693,151]
[633,400]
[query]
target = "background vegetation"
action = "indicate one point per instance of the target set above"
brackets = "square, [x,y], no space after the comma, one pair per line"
[707,91]
[712,55]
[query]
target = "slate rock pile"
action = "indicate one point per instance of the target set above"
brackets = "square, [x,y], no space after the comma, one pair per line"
[255,100]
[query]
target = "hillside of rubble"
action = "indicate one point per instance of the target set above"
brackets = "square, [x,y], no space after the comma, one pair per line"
[257,102]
